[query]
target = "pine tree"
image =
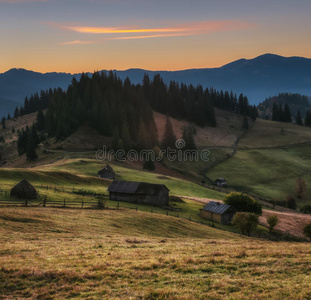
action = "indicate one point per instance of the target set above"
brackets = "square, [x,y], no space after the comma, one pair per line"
[169,137]
[275,112]
[188,138]
[40,120]
[287,117]
[31,153]
[308,119]
[126,139]
[115,139]
[149,165]
[16,112]
[298,118]
[245,124]
[3,123]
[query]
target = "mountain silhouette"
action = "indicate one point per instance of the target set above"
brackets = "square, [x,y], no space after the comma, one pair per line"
[258,78]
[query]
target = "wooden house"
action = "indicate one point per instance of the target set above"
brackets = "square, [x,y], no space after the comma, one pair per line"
[218,212]
[221,182]
[106,173]
[139,192]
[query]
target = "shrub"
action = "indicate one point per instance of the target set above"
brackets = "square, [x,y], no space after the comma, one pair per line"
[291,202]
[149,165]
[243,203]
[272,220]
[307,231]
[306,209]
[245,221]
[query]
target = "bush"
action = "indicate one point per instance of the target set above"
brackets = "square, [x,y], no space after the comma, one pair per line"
[306,209]
[149,165]
[272,221]
[246,222]
[307,231]
[243,203]
[291,202]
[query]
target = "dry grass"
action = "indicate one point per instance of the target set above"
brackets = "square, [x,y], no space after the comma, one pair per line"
[59,254]
[228,130]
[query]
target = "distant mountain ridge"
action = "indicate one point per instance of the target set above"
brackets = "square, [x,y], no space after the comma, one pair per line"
[264,76]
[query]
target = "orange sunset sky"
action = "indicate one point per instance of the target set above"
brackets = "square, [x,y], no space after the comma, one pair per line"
[86,35]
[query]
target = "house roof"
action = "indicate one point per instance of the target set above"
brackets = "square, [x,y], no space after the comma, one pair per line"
[221,179]
[217,208]
[106,169]
[130,187]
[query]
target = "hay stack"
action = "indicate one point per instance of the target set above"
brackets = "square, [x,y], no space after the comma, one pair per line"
[24,190]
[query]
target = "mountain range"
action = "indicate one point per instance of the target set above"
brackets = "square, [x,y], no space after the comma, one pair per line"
[258,78]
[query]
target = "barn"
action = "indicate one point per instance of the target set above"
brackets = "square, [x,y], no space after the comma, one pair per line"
[218,212]
[106,173]
[139,193]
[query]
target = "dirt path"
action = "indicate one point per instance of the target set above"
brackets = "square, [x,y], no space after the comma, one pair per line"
[289,222]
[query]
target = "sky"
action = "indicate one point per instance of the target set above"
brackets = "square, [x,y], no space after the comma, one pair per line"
[89,35]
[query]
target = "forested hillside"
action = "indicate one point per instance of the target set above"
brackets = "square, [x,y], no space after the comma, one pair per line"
[124,111]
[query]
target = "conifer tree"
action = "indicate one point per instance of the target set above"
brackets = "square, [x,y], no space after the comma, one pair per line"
[308,119]
[169,137]
[287,117]
[115,139]
[275,112]
[298,118]
[40,120]
[31,153]
[126,139]
[245,124]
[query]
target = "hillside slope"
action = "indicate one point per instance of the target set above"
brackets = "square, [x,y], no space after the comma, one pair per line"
[268,161]
[64,253]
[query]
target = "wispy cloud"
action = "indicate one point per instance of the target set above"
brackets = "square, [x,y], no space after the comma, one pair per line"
[77,42]
[136,32]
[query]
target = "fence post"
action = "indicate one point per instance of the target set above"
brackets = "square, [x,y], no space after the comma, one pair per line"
[26,202]
[82,203]
[44,201]
[64,202]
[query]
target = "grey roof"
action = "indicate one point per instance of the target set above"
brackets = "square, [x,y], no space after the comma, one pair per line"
[221,179]
[130,187]
[126,187]
[217,208]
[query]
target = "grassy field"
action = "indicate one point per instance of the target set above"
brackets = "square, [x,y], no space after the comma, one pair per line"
[270,173]
[267,134]
[268,161]
[86,170]
[48,253]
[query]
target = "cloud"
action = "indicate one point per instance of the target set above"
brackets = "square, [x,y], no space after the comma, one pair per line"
[136,32]
[77,42]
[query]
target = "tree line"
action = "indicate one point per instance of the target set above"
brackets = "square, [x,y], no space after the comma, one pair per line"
[124,111]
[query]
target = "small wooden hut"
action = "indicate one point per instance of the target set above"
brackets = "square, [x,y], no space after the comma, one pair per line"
[221,182]
[24,190]
[218,212]
[106,173]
